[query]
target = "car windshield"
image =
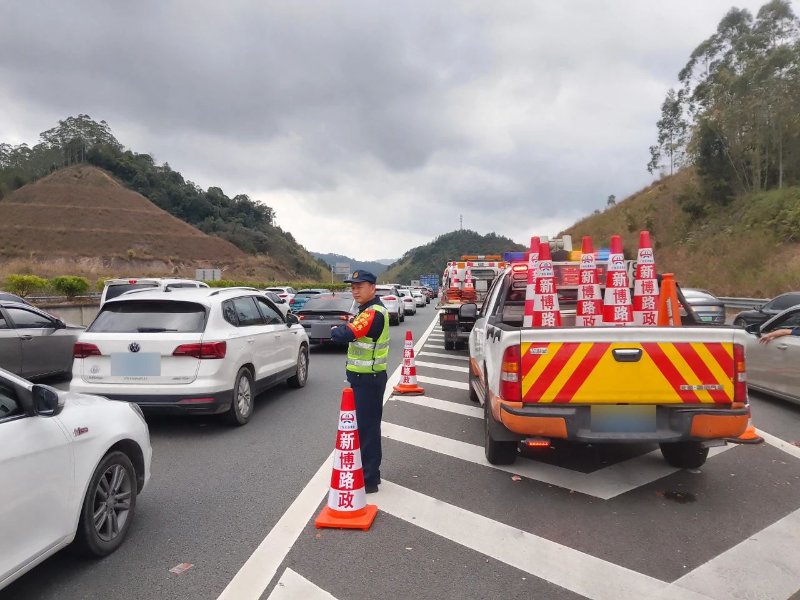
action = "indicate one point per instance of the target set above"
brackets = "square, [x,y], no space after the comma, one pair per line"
[328,304]
[149,316]
[277,290]
[783,302]
[117,289]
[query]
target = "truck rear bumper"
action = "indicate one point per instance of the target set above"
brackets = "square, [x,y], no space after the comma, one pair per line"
[672,424]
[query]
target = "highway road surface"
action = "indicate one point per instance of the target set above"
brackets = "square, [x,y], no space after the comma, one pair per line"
[569,522]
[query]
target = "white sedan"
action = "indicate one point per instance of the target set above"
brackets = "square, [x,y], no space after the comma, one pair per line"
[419,298]
[409,302]
[71,467]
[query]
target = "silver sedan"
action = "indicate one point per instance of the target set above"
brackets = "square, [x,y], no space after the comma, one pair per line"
[34,343]
[774,367]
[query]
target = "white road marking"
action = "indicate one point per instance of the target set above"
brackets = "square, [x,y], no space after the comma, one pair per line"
[445,405]
[257,572]
[604,483]
[779,443]
[459,385]
[441,366]
[439,355]
[292,586]
[435,346]
[581,573]
[765,565]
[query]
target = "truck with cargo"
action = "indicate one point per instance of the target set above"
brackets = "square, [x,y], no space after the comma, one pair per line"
[683,388]
[430,281]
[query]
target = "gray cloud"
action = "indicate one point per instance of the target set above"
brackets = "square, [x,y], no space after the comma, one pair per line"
[520,116]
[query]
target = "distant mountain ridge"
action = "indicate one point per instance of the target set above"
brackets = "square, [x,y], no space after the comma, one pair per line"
[374,266]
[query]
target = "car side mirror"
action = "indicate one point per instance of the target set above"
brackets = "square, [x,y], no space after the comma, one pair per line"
[468,311]
[60,324]
[291,319]
[46,401]
[754,328]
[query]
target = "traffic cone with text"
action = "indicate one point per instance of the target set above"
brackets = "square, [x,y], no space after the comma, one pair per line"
[347,506]
[468,294]
[546,311]
[617,308]
[530,290]
[590,302]
[645,286]
[668,311]
[408,374]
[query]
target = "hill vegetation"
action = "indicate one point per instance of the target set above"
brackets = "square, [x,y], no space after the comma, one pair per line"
[368,265]
[433,256]
[242,221]
[728,219]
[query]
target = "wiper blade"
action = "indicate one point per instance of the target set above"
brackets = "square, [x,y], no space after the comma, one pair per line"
[154,329]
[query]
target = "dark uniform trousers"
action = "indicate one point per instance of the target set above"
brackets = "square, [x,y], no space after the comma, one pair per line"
[368,390]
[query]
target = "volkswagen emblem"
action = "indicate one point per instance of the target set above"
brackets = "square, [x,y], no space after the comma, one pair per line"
[134,347]
[321,318]
[95,369]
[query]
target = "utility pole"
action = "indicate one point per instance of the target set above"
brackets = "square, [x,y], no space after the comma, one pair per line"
[461,222]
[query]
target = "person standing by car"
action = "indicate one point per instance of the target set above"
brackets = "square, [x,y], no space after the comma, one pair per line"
[767,337]
[367,355]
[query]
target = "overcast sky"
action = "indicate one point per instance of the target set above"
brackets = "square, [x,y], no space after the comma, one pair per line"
[368,126]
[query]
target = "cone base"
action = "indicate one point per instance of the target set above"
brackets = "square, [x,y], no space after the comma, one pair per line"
[408,390]
[748,437]
[332,518]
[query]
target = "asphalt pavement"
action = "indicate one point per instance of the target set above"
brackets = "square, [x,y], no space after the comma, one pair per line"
[574,521]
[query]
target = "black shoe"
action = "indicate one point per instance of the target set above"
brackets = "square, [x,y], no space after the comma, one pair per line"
[371,489]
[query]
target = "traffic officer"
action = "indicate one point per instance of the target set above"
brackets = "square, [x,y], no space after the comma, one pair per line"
[367,354]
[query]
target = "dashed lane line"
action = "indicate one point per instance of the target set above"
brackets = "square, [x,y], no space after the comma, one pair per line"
[440,346]
[257,572]
[439,355]
[604,483]
[459,385]
[293,586]
[445,405]
[421,363]
[571,569]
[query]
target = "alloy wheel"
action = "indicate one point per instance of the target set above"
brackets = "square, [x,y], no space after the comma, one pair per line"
[243,396]
[112,502]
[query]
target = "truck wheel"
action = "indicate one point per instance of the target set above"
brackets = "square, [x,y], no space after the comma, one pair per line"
[684,455]
[497,453]
[473,395]
[449,344]
[460,345]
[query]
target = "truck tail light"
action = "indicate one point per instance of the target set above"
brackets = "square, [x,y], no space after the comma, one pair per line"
[205,350]
[739,374]
[510,376]
[82,350]
[449,317]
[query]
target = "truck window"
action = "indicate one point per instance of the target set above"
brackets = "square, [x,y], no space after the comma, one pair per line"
[491,296]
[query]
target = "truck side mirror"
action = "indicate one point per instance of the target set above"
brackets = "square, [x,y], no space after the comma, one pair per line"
[754,328]
[468,311]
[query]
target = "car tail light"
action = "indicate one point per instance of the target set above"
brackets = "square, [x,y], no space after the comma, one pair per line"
[81,350]
[301,317]
[283,295]
[291,301]
[196,401]
[205,350]
[510,380]
[739,374]
[408,299]
[389,298]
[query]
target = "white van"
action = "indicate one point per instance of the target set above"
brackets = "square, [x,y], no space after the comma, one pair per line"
[113,288]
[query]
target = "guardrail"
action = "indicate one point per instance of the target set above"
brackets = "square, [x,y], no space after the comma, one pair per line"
[61,298]
[743,302]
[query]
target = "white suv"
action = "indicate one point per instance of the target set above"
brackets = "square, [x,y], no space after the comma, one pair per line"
[202,350]
[112,288]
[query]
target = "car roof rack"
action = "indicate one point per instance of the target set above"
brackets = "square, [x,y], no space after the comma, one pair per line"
[220,290]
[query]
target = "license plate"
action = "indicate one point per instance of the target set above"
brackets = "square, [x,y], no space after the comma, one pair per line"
[707,319]
[136,364]
[481,285]
[623,419]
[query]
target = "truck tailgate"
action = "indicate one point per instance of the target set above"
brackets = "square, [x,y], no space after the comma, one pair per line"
[657,365]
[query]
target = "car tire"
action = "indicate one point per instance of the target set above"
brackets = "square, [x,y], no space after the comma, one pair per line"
[497,453]
[242,401]
[473,395]
[299,379]
[403,317]
[97,536]
[739,323]
[449,344]
[684,455]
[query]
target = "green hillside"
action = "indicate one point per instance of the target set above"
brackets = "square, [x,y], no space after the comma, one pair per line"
[433,256]
[367,265]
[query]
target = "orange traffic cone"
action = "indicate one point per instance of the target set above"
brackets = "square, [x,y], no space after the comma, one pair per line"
[408,377]
[530,290]
[468,294]
[617,309]
[546,311]
[645,287]
[748,437]
[590,302]
[347,506]
[668,311]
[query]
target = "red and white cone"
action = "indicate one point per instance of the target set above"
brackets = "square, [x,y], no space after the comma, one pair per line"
[546,311]
[408,375]
[617,309]
[347,506]
[469,282]
[645,286]
[590,302]
[530,289]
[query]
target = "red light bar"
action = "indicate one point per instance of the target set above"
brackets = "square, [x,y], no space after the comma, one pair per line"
[520,267]
[537,443]
[131,281]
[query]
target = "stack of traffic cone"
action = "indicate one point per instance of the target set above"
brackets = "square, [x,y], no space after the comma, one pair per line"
[590,302]
[645,286]
[546,311]
[668,311]
[530,290]
[468,294]
[617,309]
[408,376]
[347,506]
[454,291]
